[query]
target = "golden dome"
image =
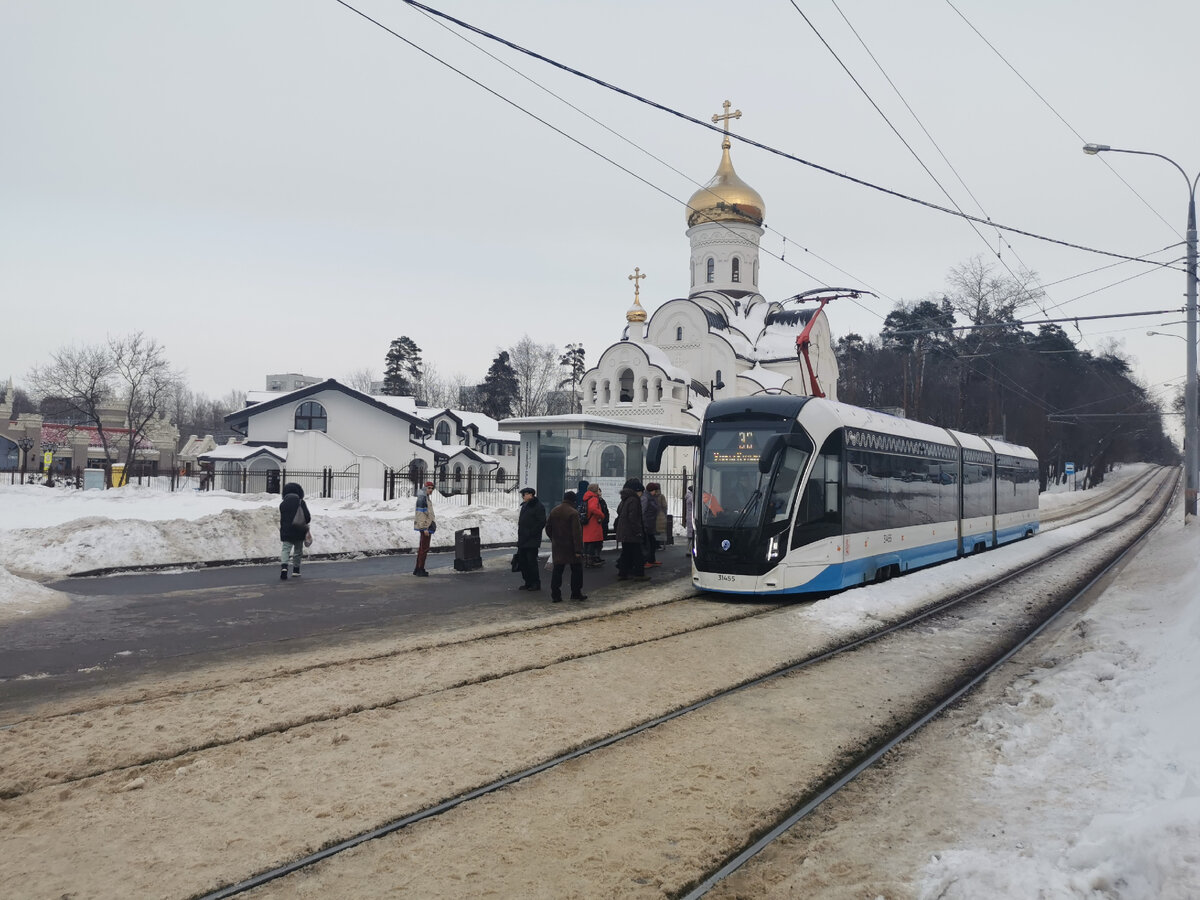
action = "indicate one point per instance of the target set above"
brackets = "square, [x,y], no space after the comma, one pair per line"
[726,198]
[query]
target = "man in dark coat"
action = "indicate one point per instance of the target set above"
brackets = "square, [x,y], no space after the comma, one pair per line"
[630,531]
[566,547]
[530,523]
[293,528]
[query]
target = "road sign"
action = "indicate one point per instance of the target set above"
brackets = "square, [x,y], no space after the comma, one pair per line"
[1070,468]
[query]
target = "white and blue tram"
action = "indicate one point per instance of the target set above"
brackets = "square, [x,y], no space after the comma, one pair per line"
[799,495]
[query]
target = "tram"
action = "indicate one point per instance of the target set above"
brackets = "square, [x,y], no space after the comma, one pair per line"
[798,495]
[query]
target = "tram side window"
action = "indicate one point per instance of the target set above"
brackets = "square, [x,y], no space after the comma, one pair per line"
[820,512]
[1016,488]
[977,490]
[868,479]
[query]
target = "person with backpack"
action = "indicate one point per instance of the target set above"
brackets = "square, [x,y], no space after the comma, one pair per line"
[592,519]
[424,522]
[293,529]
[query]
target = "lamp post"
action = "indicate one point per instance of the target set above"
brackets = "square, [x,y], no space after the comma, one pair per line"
[26,444]
[1165,334]
[1190,450]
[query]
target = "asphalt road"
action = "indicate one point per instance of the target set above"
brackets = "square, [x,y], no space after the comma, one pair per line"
[125,626]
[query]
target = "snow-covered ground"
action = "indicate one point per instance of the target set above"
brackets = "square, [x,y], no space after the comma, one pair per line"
[1108,739]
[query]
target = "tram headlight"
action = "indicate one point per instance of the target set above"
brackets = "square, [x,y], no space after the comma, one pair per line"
[773,551]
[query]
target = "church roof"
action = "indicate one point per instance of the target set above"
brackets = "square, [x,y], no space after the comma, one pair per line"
[726,198]
[769,379]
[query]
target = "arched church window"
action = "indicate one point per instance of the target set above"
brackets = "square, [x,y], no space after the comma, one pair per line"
[310,416]
[658,390]
[607,392]
[645,391]
[499,477]
[612,463]
[711,270]
[626,395]
[679,333]
[591,392]
[442,433]
[737,270]
[754,273]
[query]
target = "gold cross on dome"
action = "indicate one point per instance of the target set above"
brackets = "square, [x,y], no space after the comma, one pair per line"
[717,117]
[635,278]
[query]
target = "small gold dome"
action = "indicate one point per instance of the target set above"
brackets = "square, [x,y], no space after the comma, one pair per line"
[637,312]
[726,198]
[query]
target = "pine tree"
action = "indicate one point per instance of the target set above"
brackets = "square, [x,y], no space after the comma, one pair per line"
[498,392]
[572,359]
[402,368]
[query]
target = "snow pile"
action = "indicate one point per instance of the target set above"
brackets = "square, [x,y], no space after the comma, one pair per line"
[1096,786]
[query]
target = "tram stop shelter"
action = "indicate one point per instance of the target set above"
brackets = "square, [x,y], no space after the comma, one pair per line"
[557,452]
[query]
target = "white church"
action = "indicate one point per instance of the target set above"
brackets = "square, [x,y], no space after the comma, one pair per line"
[724,339]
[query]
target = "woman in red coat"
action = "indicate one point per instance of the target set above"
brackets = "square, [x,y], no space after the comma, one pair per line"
[593,528]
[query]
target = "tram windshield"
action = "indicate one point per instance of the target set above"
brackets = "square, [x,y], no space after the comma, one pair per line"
[733,493]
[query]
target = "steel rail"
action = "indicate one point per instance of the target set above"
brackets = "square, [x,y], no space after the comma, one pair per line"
[953,697]
[921,615]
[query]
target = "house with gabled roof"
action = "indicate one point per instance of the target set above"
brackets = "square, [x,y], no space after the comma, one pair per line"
[328,425]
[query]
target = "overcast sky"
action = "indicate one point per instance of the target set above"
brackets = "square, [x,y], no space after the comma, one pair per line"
[269,186]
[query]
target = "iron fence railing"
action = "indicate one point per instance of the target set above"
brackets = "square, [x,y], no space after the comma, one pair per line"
[462,489]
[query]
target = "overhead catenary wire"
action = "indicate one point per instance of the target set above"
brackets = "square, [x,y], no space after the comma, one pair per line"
[1057,114]
[908,146]
[744,139]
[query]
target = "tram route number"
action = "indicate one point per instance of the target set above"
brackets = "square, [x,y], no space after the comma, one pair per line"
[726,578]
[887,538]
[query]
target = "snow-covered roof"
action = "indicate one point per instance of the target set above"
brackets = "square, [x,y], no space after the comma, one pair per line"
[768,379]
[243,452]
[658,358]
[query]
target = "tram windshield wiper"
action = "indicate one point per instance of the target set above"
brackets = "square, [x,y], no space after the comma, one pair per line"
[751,504]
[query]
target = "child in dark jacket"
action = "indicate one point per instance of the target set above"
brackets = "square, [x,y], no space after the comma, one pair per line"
[293,529]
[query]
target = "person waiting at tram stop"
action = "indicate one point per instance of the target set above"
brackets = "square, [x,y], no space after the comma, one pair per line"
[593,520]
[424,522]
[631,532]
[566,548]
[530,523]
[654,522]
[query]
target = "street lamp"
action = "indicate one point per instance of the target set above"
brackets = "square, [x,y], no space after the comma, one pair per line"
[1190,438]
[26,444]
[1165,334]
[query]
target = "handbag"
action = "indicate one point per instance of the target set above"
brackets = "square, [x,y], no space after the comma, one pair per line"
[516,562]
[308,538]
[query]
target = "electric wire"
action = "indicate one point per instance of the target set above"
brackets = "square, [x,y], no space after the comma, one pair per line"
[1057,114]
[746,140]
[1032,297]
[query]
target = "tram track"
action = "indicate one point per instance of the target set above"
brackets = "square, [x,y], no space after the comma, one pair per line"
[687,661]
[845,760]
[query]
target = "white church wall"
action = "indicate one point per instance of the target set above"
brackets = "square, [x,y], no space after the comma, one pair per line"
[722,242]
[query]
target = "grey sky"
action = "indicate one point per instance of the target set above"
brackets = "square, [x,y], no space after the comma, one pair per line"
[269,186]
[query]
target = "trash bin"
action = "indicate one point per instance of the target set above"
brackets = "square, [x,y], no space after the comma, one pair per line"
[466,550]
[670,529]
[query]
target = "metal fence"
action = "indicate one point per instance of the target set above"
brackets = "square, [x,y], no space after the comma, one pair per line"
[463,489]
